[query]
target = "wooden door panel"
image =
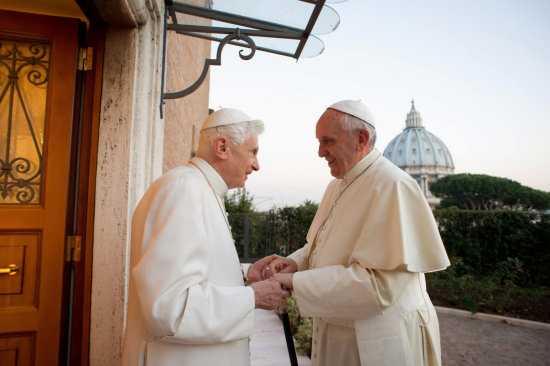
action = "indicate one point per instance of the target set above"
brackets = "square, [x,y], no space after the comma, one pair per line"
[38,95]
[16,350]
[23,250]
[13,257]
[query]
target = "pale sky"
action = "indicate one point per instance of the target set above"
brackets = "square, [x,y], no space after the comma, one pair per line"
[478,71]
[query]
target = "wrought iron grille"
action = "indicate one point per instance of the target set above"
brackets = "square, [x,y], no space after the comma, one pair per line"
[24,73]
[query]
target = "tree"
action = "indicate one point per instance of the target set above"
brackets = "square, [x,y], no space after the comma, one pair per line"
[240,206]
[485,192]
[279,230]
[534,198]
[240,201]
[292,225]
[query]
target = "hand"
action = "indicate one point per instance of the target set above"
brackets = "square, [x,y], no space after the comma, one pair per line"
[282,265]
[269,294]
[285,279]
[256,270]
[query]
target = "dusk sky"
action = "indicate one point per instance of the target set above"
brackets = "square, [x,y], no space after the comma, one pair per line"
[478,71]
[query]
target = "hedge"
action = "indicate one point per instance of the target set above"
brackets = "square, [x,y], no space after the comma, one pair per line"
[489,241]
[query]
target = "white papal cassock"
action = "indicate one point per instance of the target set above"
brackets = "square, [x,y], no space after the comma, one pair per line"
[361,273]
[187,301]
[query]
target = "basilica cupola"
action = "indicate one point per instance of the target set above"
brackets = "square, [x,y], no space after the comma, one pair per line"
[420,153]
[413,118]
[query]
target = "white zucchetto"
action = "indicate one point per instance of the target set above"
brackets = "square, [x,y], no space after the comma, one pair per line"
[224,117]
[354,108]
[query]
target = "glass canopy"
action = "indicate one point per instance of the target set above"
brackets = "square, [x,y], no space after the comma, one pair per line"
[284,27]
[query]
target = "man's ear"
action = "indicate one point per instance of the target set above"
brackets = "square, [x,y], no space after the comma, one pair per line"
[363,139]
[221,147]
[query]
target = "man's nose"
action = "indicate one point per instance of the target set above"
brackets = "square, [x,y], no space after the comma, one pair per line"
[256,164]
[321,151]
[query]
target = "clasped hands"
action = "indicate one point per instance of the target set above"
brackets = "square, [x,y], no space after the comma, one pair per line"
[271,279]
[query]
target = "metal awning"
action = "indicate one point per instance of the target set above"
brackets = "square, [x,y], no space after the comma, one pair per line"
[283,27]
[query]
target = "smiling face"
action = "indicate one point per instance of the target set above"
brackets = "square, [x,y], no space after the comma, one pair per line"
[342,149]
[242,160]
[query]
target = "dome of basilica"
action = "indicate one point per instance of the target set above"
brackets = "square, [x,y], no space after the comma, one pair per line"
[420,153]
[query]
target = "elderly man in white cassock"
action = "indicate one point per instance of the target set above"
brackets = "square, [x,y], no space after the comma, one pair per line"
[361,273]
[188,303]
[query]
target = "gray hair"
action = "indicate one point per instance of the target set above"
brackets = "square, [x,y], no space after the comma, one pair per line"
[353,124]
[237,133]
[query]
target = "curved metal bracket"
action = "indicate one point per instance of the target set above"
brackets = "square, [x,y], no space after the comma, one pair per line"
[252,28]
[238,35]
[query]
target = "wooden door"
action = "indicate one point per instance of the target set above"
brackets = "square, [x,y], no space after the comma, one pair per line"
[38,56]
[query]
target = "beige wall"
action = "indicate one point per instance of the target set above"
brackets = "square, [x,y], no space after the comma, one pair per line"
[183,117]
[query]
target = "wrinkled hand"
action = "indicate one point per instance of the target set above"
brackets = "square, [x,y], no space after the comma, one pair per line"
[279,265]
[256,270]
[269,294]
[285,279]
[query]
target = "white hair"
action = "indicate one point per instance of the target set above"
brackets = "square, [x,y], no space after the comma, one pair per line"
[237,133]
[353,124]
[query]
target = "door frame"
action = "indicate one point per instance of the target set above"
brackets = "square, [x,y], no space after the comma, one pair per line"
[86,117]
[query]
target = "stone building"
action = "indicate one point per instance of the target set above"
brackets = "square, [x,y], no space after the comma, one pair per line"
[421,154]
[82,138]
[83,133]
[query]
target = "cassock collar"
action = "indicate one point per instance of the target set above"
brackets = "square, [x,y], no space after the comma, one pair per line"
[213,176]
[361,166]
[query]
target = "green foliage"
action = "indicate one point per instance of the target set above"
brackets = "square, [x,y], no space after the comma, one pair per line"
[253,234]
[292,225]
[533,198]
[301,327]
[498,262]
[485,239]
[280,231]
[485,192]
[240,201]
[250,229]
[497,292]
[303,336]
